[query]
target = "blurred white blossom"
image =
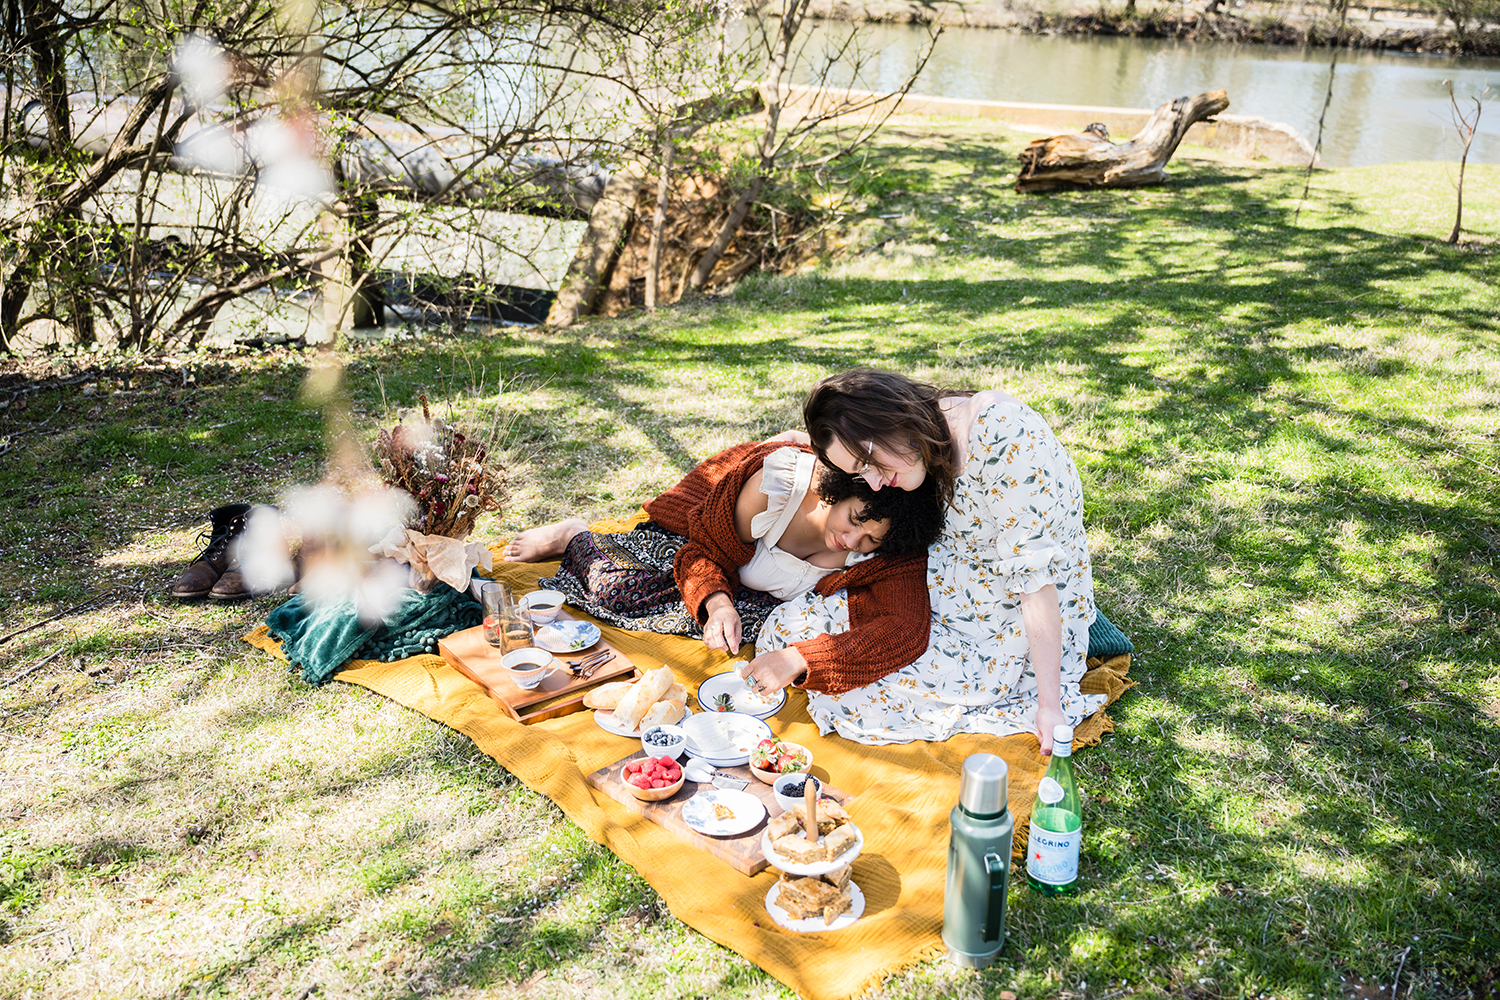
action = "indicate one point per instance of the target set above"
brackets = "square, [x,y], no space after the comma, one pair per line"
[200,65]
[337,533]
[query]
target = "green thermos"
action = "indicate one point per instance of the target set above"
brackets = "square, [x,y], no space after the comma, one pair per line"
[978,863]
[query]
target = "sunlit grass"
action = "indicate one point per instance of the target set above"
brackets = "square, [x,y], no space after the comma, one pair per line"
[1286,428]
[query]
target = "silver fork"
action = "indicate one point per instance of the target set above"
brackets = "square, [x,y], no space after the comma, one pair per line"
[585,667]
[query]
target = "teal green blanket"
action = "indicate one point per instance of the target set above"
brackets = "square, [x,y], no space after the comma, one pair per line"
[320,639]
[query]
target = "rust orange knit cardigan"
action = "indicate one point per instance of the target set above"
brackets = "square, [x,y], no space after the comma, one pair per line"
[889,613]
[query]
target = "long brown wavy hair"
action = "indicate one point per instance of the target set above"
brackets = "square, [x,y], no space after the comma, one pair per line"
[897,413]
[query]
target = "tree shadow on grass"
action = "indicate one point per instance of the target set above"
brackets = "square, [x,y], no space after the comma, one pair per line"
[1313,716]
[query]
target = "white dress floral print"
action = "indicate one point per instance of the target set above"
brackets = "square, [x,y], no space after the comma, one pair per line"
[1016,526]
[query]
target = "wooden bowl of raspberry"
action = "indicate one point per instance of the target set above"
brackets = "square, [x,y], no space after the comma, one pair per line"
[653,779]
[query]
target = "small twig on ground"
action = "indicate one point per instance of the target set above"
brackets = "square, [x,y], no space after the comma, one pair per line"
[61,614]
[1399,966]
[1151,899]
[39,664]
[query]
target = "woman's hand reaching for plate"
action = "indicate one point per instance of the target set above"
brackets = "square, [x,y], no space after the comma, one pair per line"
[770,672]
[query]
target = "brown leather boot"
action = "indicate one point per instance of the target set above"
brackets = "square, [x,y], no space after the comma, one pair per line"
[225,525]
[262,564]
[231,586]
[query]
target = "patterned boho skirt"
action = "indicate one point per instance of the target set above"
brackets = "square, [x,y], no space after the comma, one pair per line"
[625,579]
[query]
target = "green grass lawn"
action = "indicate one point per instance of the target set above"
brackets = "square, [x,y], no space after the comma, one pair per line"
[1286,413]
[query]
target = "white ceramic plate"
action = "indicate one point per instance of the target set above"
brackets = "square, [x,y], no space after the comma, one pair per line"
[605,720]
[743,700]
[810,924]
[567,636]
[818,868]
[744,811]
[724,739]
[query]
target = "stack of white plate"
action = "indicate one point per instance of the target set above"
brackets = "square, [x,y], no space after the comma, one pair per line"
[723,739]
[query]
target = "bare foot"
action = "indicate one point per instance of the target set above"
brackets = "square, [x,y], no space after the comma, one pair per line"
[545,542]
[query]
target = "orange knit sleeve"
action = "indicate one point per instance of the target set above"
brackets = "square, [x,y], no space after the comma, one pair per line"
[890,621]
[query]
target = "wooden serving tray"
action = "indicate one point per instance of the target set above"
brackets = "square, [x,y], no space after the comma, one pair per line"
[741,853]
[559,693]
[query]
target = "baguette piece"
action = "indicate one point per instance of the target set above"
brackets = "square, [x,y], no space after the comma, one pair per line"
[642,695]
[606,696]
[667,712]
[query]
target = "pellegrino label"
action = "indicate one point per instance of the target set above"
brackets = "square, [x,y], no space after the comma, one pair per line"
[1053,857]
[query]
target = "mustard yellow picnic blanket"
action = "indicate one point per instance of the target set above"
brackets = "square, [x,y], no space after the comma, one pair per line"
[903,797]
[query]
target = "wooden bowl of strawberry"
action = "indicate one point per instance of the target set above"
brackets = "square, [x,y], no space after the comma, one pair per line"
[653,779]
[772,758]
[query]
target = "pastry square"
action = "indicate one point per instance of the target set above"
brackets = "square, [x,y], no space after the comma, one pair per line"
[839,841]
[782,825]
[796,849]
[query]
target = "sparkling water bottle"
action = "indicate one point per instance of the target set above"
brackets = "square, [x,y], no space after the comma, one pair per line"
[1056,823]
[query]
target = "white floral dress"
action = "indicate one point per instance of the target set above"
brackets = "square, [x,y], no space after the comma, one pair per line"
[1016,526]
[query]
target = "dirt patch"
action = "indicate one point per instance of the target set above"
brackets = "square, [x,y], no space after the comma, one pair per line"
[774,236]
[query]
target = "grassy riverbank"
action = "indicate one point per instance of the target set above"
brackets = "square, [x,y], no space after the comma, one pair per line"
[1284,412]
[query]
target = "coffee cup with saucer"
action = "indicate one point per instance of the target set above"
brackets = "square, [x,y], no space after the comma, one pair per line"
[528,666]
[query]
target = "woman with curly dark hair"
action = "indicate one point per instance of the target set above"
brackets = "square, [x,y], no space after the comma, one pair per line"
[748,528]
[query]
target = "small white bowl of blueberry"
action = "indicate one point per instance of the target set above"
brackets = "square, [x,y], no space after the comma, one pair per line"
[791,789]
[664,741]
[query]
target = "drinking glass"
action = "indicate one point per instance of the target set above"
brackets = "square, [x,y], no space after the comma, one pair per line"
[493,597]
[515,628]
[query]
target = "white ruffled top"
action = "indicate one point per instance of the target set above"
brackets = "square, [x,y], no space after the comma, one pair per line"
[785,479]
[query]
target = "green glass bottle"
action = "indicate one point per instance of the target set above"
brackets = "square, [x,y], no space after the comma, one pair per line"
[1056,823]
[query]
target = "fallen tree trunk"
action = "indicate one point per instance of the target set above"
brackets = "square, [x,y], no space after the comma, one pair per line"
[1088,159]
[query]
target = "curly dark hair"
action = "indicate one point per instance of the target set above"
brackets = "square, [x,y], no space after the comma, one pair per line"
[916,516]
[899,414]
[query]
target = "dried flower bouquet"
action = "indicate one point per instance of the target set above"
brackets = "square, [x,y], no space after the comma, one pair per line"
[443,470]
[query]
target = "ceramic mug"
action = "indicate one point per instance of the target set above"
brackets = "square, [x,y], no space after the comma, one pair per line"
[543,606]
[528,666]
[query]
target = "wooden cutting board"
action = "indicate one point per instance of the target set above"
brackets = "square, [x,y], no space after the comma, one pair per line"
[742,852]
[559,693]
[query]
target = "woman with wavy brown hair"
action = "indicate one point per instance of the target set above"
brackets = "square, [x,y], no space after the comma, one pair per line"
[1009,581]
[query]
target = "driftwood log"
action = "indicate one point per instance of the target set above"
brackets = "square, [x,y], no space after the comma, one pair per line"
[1088,159]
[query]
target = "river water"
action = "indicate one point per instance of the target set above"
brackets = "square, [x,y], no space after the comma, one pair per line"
[1385,108]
